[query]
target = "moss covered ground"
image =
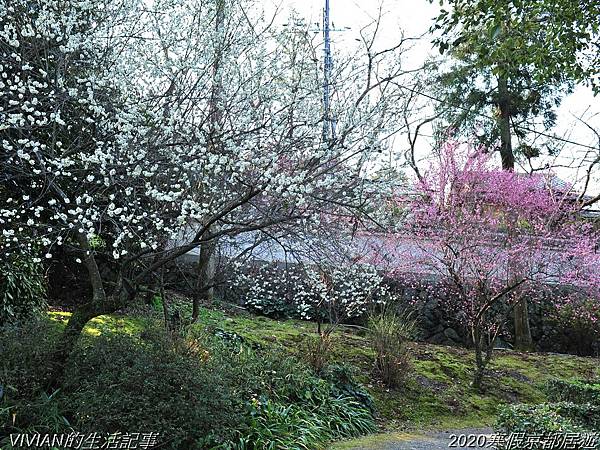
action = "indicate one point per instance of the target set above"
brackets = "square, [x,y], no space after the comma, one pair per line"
[437,392]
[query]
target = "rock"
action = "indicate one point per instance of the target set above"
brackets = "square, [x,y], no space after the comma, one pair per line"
[438,338]
[451,334]
[499,343]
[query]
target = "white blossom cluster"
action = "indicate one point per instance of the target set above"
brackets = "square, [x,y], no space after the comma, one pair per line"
[129,120]
[332,293]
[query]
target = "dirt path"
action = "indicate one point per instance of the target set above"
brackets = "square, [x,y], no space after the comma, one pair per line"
[431,440]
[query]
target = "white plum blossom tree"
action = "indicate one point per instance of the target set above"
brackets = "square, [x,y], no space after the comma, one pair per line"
[132,132]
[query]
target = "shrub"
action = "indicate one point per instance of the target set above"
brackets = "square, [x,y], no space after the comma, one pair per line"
[534,419]
[22,288]
[586,415]
[576,391]
[23,352]
[199,391]
[269,290]
[389,334]
[24,406]
[344,384]
[122,384]
[548,419]
[574,409]
[575,326]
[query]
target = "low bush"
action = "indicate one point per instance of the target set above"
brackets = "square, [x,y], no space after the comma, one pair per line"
[534,420]
[576,391]
[389,334]
[200,391]
[24,405]
[122,384]
[585,415]
[550,419]
[574,408]
[22,288]
[344,384]
[23,353]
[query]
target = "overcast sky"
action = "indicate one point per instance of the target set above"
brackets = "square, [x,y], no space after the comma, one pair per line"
[414,17]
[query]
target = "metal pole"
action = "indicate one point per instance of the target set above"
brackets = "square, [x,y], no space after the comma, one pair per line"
[328,125]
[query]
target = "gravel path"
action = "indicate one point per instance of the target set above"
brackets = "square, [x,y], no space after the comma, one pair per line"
[441,440]
[433,440]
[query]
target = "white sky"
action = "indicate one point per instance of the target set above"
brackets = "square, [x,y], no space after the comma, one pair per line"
[414,17]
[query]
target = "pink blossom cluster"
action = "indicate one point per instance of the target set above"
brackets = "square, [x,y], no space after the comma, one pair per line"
[491,236]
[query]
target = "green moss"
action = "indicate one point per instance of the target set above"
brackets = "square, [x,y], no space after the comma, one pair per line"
[103,324]
[374,441]
[437,392]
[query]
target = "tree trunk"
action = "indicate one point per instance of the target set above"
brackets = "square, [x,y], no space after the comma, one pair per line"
[99,305]
[204,293]
[70,335]
[523,339]
[479,364]
[506,151]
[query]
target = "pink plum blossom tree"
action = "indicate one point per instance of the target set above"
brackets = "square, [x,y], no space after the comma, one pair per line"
[488,237]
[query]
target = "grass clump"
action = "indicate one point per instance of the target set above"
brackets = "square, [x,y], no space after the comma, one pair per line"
[389,334]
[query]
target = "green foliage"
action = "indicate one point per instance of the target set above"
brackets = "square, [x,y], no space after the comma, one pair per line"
[575,391]
[157,303]
[197,391]
[584,415]
[281,426]
[574,408]
[120,384]
[513,62]
[344,384]
[23,352]
[546,38]
[97,243]
[22,288]
[306,414]
[534,420]
[389,334]
[25,407]
[579,322]
[437,392]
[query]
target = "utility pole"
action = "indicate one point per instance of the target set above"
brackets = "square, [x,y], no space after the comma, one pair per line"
[328,122]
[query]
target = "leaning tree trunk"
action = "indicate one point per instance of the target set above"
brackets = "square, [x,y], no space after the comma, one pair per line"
[100,304]
[68,340]
[523,339]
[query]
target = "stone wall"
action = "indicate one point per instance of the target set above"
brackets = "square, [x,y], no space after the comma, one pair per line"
[438,326]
